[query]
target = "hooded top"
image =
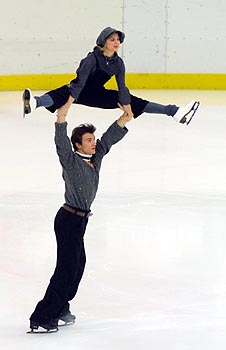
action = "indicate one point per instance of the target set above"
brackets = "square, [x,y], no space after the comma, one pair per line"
[90,64]
[106,32]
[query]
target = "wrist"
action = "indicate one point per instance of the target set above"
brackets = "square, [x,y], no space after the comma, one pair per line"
[121,122]
[60,119]
[70,100]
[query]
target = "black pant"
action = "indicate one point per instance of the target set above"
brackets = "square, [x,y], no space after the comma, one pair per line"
[98,97]
[71,259]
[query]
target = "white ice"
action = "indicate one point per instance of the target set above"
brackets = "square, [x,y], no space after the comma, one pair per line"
[156,244]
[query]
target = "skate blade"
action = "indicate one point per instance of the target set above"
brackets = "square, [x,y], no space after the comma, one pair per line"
[42,331]
[192,112]
[65,324]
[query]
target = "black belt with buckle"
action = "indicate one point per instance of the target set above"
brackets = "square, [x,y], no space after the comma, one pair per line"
[83,214]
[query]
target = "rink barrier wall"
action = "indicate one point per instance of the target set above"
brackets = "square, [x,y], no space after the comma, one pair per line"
[134,81]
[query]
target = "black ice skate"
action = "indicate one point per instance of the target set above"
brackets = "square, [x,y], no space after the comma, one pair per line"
[38,328]
[66,319]
[29,102]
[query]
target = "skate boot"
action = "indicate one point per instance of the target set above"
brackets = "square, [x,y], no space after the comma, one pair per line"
[48,327]
[185,114]
[66,319]
[29,101]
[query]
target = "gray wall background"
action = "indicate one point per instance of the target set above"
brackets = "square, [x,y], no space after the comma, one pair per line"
[169,36]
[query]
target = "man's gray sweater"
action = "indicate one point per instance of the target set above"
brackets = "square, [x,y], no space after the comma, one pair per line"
[81,180]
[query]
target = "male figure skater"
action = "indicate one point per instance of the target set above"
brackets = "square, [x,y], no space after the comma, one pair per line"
[81,169]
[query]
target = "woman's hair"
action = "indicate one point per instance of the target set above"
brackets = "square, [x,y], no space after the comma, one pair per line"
[76,136]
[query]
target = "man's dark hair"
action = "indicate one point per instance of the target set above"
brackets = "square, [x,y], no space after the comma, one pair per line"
[76,136]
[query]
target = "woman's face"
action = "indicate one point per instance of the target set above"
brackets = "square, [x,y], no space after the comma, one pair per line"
[112,43]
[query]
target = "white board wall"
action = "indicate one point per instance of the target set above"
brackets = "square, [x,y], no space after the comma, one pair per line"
[45,36]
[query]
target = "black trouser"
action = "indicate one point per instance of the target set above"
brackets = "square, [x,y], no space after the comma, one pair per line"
[94,97]
[71,259]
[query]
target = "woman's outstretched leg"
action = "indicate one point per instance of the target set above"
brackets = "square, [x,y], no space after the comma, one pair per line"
[31,102]
[51,100]
[183,114]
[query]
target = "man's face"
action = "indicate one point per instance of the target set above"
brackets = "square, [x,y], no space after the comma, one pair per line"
[88,145]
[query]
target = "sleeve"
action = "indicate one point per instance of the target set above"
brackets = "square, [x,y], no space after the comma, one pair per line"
[123,91]
[86,67]
[63,146]
[113,135]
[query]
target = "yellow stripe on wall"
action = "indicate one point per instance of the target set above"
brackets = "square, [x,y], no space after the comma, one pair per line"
[177,81]
[133,80]
[34,81]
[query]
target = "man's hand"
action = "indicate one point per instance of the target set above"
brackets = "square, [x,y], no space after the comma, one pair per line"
[63,110]
[125,117]
[127,109]
[60,118]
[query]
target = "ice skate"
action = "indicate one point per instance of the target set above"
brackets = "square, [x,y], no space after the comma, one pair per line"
[38,328]
[66,319]
[185,114]
[29,101]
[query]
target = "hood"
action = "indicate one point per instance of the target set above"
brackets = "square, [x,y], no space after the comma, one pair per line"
[106,32]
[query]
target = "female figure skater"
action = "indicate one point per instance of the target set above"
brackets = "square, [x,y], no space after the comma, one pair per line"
[88,87]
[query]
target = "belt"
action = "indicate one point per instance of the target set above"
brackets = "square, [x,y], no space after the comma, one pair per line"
[77,212]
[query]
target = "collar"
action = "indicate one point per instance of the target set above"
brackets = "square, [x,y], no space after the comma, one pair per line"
[100,52]
[86,157]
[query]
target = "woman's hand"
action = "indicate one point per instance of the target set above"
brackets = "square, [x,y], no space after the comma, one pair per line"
[127,109]
[125,117]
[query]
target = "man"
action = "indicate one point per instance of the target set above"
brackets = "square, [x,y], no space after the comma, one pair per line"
[81,169]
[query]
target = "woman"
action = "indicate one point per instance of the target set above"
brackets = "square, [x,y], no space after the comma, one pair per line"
[88,88]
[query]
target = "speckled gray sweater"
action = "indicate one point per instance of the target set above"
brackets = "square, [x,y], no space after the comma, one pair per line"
[81,180]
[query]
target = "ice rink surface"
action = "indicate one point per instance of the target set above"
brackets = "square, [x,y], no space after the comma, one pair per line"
[156,245]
